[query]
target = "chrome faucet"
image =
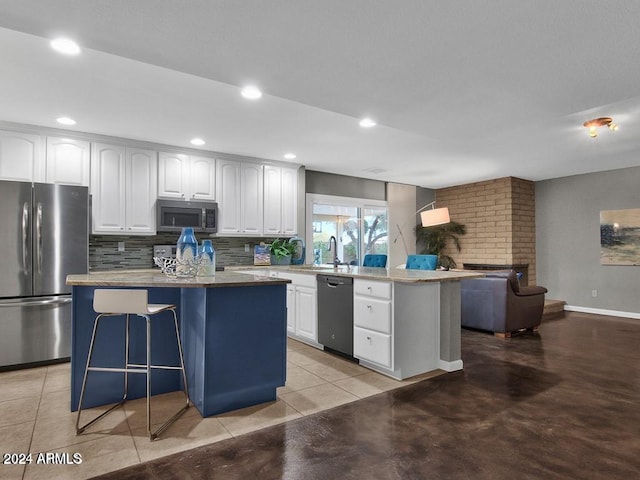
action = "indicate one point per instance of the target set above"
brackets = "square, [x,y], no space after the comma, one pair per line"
[335,260]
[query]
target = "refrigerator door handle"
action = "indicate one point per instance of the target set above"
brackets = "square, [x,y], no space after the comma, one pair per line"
[34,303]
[25,236]
[39,238]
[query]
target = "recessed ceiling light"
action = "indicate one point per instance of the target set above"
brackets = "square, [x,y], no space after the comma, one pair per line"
[367,123]
[289,156]
[66,46]
[198,142]
[251,92]
[66,121]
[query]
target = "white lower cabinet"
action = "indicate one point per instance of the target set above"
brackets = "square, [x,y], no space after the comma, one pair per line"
[306,321]
[291,311]
[302,306]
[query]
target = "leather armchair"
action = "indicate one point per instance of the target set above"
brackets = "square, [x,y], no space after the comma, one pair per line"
[498,303]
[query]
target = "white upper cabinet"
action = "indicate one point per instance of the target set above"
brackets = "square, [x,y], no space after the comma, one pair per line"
[21,157]
[251,198]
[186,177]
[289,201]
[228,191]
[239,191]
[173,169]
[141,191]
[124,190]
[202,178]
[280,200]
[272,200]
[108,189]
[68,161]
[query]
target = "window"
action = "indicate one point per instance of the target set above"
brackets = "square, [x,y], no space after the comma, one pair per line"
[359,226]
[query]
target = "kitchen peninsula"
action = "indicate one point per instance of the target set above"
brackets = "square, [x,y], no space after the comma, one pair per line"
[233,329]
[405,322]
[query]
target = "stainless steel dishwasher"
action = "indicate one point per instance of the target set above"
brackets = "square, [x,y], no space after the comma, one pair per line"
[335,313]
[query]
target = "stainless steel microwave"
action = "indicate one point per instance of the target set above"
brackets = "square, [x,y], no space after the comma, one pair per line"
[173,215]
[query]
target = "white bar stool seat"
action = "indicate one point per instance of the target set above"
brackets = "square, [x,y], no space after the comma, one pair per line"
[115,303]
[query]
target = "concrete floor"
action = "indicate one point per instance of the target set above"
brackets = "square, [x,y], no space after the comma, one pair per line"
[560,404]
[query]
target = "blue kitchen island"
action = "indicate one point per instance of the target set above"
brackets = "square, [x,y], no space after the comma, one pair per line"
[233,330]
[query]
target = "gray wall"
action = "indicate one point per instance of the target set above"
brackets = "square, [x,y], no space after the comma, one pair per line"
[344,186]
[568,239]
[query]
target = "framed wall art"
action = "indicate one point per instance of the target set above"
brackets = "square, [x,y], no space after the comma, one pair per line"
[620,237]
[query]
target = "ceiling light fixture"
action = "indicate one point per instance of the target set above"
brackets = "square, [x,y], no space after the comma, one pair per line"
[290,156]
[198,142]
[66,121]
[65,45]
[251,92]
[593,125]
[367,123]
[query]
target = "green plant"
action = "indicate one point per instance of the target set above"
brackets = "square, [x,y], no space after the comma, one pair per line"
[435,240]
[281,248]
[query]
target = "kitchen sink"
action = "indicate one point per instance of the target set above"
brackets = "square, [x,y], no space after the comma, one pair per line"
[324,267]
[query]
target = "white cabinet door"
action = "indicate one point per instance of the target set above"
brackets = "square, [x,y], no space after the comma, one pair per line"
[289,215]
[108,188]
[68,161]
[21,157]
[272,200]
[173,171]
[141,188]
[202,178]
[251,198]
[306,313]
[291,308]
[228,193]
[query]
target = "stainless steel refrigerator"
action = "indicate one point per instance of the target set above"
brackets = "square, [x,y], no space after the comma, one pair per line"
[44,236]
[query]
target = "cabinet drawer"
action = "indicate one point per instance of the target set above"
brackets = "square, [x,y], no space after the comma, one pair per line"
[372,346]
[372,288]
[372,313]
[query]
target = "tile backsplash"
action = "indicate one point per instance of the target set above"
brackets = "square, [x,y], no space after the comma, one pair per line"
[138,250]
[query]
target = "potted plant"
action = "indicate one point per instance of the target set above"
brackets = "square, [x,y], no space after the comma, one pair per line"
[281,251]
[435,240]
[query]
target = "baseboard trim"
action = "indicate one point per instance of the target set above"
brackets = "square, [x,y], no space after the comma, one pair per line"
[450,366]
[601,311]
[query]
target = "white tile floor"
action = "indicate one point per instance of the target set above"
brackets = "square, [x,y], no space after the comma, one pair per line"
[35,416]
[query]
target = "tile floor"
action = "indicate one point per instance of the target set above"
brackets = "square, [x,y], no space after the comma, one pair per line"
[35,417]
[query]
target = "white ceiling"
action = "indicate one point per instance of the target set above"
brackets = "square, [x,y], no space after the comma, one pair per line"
[462,91]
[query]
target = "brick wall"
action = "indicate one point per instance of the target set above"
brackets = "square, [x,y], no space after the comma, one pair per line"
[499,216]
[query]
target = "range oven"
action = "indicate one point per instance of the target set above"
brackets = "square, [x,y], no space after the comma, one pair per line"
[174,215]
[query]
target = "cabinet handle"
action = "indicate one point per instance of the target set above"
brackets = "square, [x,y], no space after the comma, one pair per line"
[369,288]
[182,195]
[368,338]
[369,307]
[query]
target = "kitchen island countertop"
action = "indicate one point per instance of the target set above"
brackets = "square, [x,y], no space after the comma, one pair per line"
[155,278]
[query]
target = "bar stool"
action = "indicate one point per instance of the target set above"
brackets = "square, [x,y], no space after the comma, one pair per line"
[115,303]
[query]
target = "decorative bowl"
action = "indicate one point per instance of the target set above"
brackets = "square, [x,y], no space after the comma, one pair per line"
[180,268]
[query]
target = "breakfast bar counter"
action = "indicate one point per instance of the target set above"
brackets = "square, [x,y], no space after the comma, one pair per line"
[405,322]
[233,331]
